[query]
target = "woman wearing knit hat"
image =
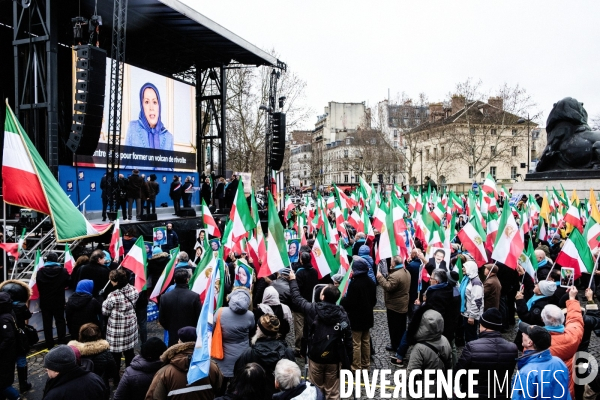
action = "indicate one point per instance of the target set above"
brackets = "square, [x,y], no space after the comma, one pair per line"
[266,350]
[69,381]
[530,311]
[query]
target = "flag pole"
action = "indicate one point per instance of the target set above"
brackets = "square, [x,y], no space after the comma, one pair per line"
[4,266]
[593,272]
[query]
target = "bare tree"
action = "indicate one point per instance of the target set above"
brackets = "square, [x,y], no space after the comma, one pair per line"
[248,89]
[441,153]
[595,123]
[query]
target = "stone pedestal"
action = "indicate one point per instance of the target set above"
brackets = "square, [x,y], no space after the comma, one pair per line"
[581,185]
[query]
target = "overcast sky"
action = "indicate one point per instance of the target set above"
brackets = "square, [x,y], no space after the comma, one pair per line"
[354,51]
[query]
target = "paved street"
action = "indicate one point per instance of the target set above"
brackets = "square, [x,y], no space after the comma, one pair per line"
[378,333]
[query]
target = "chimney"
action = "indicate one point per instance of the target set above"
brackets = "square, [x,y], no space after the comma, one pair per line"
[436,111]
[458,103]
[497,102]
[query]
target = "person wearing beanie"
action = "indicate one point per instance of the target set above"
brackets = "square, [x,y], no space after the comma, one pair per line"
[92,347]
[69,381]
[8,347]
[359,302]
[138,376]
[20,294]
[179,307]
[396,286]
[566,332]
[51,283]
[238,326]
[471,294]
[535,362]
[491,287]
[265,350]
[170,382]
[490,354]
[530,311]
[82,308]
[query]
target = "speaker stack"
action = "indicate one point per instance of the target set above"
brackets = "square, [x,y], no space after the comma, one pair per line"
[89,100]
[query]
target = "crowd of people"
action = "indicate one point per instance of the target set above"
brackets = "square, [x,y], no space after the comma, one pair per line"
[434,308]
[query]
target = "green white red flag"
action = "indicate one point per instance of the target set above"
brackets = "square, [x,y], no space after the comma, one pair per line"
[322,259]
[289,207]
[209,221]
[344,284]
[572,217]
[166,276]
[115,248]
[39,263]
[27,182]
[11,249]
[199,283]
[509,242]
[592,233]
[136,261]
[576,254]
[69,260]
[277,255]
[240,215]
[528,261]
[489,185]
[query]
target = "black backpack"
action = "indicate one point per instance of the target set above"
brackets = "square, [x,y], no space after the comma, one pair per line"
[326,342]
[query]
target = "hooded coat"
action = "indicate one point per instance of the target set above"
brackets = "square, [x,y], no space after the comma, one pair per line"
[122,330]
[51,282]
[440,298]
[272,305]
[564,345]
[76,384]
[328,313]
[267,352]
[474,292]
[19,293]
[81,309]
[307,278]
[97,352]
[137,379]
[424,358]
[173,376]
[364,252]
[361,297]
[529,381]
[237,325]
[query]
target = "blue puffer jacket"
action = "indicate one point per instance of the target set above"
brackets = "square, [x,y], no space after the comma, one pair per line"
[365,253]
[541,375]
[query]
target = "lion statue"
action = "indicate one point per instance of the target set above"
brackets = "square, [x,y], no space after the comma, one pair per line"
[571,143]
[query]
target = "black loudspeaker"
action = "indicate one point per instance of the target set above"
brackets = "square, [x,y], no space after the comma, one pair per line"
[278,142]
[149,217]
[89,100]
[186,212]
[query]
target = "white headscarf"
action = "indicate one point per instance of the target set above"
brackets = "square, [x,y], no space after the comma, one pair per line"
[271,298]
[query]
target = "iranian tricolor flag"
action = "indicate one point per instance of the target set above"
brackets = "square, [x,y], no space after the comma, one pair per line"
[368,228]
[344,284]
[69,260]
[437,214]
[489,185]
[202,274]
[240,215]
[11,249]
[322,259]
[27,182]
[576,254]
[387,240]
[277,256]
[572,217]
[356,221]
[115,248]
[342,254]
[330,202]
[39,263]
[166,275]
[209,221]
[592,233]
[509,243]
[136,262]
[492,232]
[528,261]
[289,207]
[471,237]
[457,204]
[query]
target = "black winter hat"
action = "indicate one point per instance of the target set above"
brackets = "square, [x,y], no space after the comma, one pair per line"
[52,257]
[491,319]
[153,349]
[187,334]
[60,359]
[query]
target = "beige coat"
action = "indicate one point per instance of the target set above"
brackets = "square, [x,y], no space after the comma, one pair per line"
[396,287]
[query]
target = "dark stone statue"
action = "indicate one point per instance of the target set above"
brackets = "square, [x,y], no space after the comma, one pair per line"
[571,145]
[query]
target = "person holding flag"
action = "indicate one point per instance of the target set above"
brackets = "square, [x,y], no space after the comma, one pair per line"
[471,293]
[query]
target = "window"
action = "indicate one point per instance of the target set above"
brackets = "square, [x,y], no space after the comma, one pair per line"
[435,153]
[513,172]
[373,141]
[305,156]
[472,131]
[494,132]
[514,132]
[482,175]
[513,152]
[471,172]
[304,172]
[427,155]
[348,141]
[395,144]
[395,133]
[345,153]
[493,151]
[493,172]
[345,178]
[442,151]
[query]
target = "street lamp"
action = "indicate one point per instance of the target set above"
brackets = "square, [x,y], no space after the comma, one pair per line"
[522,121]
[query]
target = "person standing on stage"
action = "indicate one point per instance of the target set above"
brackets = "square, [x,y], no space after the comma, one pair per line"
[153,190]
[186,189]
[134,193]
[175,193]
